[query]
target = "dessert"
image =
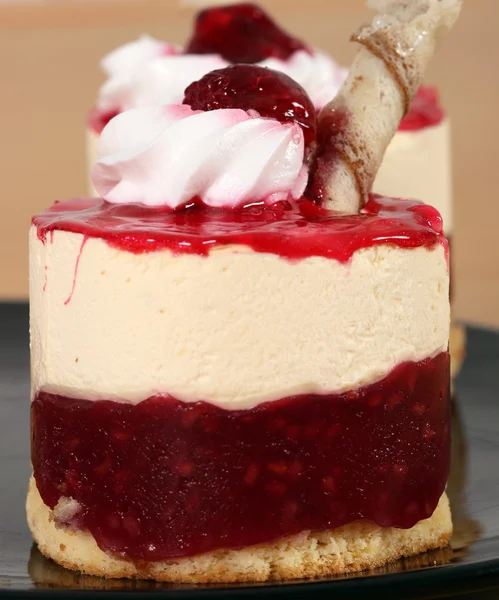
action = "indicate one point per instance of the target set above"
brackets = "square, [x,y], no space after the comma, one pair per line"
[134,393]
[149,72]
[232,380]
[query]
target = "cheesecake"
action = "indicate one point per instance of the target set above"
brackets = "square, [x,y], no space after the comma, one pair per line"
[230,381]
[239,356]
[194,419]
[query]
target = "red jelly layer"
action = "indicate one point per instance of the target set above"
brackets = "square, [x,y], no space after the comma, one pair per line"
[166,479]
[292,230]
[425,110]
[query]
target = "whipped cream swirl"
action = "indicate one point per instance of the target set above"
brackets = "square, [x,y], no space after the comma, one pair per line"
[124,64]
[134,55]
[148,72]
[167,155]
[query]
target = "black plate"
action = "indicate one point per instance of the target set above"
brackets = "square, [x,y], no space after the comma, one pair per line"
[471,563]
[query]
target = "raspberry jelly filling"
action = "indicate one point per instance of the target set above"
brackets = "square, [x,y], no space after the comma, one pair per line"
[165,479]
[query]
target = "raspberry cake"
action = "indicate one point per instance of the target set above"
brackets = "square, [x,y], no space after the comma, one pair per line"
[148,72]
[231,379]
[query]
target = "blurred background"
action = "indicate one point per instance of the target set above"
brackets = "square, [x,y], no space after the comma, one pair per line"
[49,73]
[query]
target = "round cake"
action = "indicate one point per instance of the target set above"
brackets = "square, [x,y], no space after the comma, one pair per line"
[194,419]
[232,379]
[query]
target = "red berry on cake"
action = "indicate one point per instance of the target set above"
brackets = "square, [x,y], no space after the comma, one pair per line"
[241,33]
[249,87]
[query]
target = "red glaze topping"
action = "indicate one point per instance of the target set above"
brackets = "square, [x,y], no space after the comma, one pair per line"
[292,230]
[425,110]
[165,479]
[241,33]
[270,93]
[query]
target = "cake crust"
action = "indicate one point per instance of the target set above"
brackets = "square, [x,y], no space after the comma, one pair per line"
[353,547]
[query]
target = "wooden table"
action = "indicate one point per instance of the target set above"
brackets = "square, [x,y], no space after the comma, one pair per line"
[49,54]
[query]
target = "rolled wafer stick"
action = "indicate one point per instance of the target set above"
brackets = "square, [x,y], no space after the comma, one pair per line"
[356,127]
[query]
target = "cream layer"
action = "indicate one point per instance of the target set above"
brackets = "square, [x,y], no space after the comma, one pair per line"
[235,328]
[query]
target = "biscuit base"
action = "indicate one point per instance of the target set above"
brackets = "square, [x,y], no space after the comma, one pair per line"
[354,547]
[457,348]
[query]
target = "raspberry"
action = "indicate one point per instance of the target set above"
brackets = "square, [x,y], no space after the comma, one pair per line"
[270,93]
[241,33]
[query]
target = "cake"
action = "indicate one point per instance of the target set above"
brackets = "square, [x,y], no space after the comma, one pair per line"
[208,343]
[232,380]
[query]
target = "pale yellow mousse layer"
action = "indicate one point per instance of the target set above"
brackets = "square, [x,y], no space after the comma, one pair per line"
[235,328]
[417,165]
